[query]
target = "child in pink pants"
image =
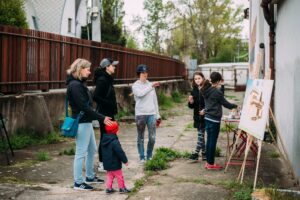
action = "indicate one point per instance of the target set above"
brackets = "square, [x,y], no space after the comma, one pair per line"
[113,156]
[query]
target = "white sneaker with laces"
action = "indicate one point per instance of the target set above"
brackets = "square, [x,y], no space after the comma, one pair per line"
[100,167]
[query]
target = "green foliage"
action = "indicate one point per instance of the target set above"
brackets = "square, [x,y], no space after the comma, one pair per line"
[131,42]
[68,152]
[42,156]
[164,101]
[111,22]
[12,13]
[26,137]
[274,154]
[238,191]
[189,126]
[243,194]
[231,126]
[218,152]
[124,112]
[161,158]
[177,96]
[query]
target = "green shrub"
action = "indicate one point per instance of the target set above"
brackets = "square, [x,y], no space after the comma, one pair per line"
[42,156]
[164,101]
[218,152]
[68,152]
[176,97]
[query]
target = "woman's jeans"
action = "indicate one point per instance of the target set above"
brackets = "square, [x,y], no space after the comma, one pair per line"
[212,130]
[141,122]
[85,149]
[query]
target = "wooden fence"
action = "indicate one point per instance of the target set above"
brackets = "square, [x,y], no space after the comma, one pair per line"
[35,60]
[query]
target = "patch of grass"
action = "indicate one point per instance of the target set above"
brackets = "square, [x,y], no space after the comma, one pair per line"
[176,97]
[24,164]
[161,158]
[237,191]
[273,154]
[278,195]
[124,112]
[218,152]
[189,127]
[231,126]
[42,156]
[27,137]
[13,180]
[68,152]
[138,184]
[230,97]
[164,101]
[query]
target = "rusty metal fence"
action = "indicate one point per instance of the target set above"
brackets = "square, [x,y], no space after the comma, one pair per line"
[35,60]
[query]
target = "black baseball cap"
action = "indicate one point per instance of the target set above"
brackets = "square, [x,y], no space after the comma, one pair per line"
[141,68]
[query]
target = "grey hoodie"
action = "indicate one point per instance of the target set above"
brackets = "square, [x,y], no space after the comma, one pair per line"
[214,100]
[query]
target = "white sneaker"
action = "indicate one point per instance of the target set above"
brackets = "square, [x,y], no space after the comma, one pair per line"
[100,167]
[142,162]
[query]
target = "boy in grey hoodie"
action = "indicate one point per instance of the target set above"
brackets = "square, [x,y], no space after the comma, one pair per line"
[146,111]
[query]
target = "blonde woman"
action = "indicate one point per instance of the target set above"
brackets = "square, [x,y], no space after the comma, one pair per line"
[80,100]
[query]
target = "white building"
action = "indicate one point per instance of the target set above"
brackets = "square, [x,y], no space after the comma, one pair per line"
[286,56]
[64,17]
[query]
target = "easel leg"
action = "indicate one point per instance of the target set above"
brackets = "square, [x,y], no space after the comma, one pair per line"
[233,149]
[249,143]
[257,163]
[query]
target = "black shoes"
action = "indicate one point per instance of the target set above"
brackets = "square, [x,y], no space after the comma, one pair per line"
[124,190]
[194,157]
[110,191]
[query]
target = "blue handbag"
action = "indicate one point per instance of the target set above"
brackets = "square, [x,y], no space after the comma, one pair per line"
[70,125]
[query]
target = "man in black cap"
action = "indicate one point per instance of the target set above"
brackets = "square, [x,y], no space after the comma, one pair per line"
[104,95]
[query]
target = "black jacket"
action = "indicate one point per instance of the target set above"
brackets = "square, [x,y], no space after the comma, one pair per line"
[80,100]
[197,105]
[112,152]
[214,100]
[104,94]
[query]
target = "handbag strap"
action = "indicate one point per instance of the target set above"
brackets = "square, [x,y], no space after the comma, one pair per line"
[67,105]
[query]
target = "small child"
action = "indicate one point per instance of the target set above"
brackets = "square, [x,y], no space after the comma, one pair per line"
[214,100]
[113,157]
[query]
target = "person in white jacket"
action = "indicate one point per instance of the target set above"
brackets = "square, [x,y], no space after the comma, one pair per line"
[146,111]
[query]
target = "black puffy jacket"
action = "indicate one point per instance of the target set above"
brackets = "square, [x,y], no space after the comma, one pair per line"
[104,94]
[112,153]
[79,98]
[197,105]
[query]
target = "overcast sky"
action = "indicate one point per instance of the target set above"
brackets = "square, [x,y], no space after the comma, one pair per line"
[135,7]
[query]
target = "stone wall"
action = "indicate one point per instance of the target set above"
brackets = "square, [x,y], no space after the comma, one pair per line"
[40,112]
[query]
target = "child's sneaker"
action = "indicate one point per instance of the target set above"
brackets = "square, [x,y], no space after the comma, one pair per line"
[213,167]
[203,154]
[110,191]
[124,190]
[142,162]
[100,167]
[94,180]
[82,186]
[194,157]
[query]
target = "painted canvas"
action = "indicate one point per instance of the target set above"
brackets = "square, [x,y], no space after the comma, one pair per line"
[256,105]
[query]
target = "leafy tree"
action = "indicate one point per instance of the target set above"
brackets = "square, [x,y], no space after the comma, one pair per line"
[210,23]
[111,22]
[131,42]
[12,13]
[154,25]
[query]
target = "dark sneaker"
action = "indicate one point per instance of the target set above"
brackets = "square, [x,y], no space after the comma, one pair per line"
[110,191]
[94,180]
[82,186]
[194,157]
[124,190]
[203,156]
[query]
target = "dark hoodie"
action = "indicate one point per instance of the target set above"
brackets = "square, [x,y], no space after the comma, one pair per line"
[214,100]
[104,94]
[112,153]
[197,105]
[80,100]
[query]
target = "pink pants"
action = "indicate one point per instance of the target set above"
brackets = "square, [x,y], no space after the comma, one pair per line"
[110,175]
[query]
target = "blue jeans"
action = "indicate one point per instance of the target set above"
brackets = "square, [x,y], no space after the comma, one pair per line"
[141,122]
[85,149]
[212,130]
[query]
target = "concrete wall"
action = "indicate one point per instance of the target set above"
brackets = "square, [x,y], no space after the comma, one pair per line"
[287,70]
[287,88]
[40,112]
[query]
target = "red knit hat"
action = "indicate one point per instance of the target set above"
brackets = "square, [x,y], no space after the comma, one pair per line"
[113,128]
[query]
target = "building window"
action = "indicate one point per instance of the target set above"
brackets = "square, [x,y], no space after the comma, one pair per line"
[69,25]
[35,23]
